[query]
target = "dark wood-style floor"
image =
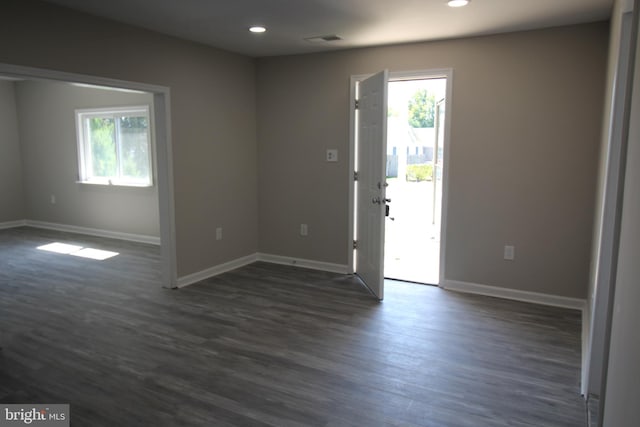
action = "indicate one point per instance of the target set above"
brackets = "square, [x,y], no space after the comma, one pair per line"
[271,345]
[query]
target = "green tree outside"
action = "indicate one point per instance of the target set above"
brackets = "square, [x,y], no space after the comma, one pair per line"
[135,155]
[134,147]
[422,107]
[103,146]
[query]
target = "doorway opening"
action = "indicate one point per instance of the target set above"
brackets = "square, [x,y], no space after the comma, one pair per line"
[375,163]
[414,176]
[163,150]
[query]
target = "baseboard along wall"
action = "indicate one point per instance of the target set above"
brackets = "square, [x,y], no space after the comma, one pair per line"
[216,270]
[12,224]
[273,259]
[515,294]
[450,285]
[139,238]
[305,263]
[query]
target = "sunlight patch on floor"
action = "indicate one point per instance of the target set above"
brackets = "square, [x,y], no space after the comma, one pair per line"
[79,251]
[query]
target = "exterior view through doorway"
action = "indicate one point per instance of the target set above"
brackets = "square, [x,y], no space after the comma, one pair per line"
[414,176]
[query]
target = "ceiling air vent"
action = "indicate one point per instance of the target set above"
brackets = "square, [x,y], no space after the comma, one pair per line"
[323,39]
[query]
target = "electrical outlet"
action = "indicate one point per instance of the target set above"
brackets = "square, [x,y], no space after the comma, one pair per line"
[53,199]
[509,252]
[332,155]
[304,229]
[219,233]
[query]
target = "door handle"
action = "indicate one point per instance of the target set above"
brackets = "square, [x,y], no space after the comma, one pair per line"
[379,201]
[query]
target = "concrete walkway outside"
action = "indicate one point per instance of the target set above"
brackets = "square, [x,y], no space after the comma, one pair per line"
[412,241]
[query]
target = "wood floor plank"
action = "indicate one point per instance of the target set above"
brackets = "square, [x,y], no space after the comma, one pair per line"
[271,345]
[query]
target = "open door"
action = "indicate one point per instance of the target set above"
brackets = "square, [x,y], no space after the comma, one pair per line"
[371,171]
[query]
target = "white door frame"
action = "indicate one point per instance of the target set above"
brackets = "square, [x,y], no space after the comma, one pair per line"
[164,158]
[594,365]
[395,76]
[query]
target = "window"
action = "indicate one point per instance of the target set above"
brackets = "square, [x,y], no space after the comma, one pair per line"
[114,146]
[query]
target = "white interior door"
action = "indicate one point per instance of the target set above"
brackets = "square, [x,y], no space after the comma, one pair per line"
[371,165]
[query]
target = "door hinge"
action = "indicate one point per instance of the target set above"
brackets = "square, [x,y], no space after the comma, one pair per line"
[356,104]
[355,175]
[355,244]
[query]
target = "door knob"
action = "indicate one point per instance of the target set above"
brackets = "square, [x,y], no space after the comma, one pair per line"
[387,200]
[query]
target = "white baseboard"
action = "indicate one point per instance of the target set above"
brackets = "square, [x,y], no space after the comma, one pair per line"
[273,259]
[215,270]
[586,352]
[305,263]
[514,294]
[12,224]
[140,238]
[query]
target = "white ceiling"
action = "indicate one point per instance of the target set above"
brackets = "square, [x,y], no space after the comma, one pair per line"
[224,23]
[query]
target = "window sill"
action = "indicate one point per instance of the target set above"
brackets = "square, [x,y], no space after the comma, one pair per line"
[116,184]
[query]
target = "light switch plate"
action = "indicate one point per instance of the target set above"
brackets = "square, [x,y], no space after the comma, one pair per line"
[509,252]
[332,155]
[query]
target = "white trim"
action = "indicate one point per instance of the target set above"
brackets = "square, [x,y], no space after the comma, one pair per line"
[20,72]
[12,224]
[586,354]
[190,279]
[352,155]
[515,294]
[305,263]
[351,232]
[608,227]
[446,153]
[140,238]
[420,74]
[164,175]
[164,151]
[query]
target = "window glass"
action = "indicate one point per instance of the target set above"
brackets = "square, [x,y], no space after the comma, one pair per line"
[134,148]
[114,146]
[103,147]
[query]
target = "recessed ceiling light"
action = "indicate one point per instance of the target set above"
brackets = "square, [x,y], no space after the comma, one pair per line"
[458,3]
[257,29]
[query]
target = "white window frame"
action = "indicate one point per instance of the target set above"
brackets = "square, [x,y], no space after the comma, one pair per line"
[84,151]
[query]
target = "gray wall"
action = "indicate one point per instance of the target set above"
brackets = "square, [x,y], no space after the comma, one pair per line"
[46,116]
[212,115]
[11,189]
[526,124]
